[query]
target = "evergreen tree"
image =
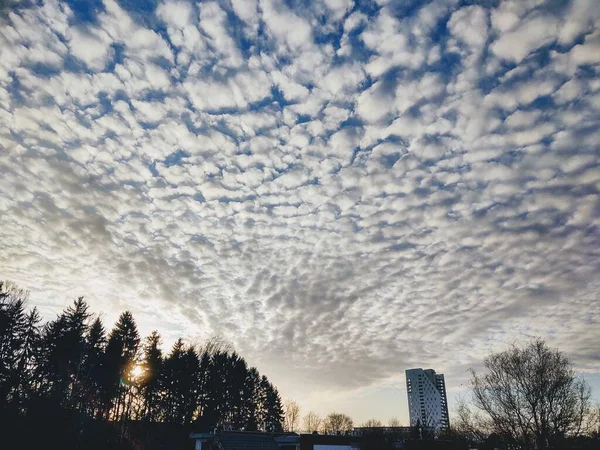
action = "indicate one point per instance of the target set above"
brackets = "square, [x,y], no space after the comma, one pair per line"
[13,325]
[121,357]
[238,371]
[95,346]
[74,343]
[181,384]
[274,409]
[70,366]
[190,385]
[62,353]
[171,383]
[52,367]
[27,359]
[249,394]
[151,381]
[202,380]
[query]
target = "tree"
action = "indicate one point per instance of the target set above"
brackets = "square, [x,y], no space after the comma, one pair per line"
[174,383]
[237,405]
[467,425]
[212,345]
[121,357]
[593,422]
[372,423]
[63,347]
[150,383]
[69,375]
[28,356]
[13,324]
[203,380]
[189,381]
[74,345]
[273,409]
[337,423]
[531,396]
[291,418]
[250,394]
[93,367]
[394,422]
[312,422]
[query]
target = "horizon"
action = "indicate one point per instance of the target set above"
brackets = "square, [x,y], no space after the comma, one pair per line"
[343,190]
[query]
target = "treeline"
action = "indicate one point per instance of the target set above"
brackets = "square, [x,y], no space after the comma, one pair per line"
[74,364]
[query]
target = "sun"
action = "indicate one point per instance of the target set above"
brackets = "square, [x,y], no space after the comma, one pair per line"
[136,371]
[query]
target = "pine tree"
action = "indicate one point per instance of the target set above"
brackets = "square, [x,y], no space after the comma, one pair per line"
[121,357]
[52,367]
[13,325]
[70,365]
[190,385]
[151,381]
[28,358]
[171,383]
[273,409]
[250,396]
[74,342]
[95,345]
[238,370]
[202,380]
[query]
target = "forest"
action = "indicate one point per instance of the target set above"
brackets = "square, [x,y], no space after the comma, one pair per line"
[73,383]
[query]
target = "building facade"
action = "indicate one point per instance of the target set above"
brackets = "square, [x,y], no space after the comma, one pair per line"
[427,402]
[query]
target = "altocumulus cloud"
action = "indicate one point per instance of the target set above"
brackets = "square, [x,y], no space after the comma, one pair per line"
[342,189]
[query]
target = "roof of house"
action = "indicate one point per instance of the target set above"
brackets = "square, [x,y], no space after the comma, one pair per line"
[231,440]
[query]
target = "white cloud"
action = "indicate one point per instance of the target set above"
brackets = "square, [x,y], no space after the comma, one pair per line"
[286,26]
[588,52]
[470,25]
[339,7]
[92,46]
[582,18]
[526,37]
[176,13]
[375,103]
[213,22]
[238,92]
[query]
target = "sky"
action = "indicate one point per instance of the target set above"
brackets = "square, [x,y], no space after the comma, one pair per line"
[341,189]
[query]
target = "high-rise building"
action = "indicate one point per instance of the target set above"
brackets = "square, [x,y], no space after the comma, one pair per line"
[427,403]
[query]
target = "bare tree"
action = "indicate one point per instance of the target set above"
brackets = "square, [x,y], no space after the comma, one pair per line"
[337,422]
[394,422]
[312,422]
[372,423]
[214,344]
[291,417]
[468,424]
[531,395]
[593,422]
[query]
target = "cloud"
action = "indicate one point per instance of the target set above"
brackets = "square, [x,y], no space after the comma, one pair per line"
[516,43]
[285,26]
[341,191]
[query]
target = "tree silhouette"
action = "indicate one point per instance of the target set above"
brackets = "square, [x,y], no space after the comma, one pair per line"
[93,366]
[151,382]
[393,422]
[121,355]
[68,373]
[13,324]
[312,422]
[337,423]
[531,396]
[291,415]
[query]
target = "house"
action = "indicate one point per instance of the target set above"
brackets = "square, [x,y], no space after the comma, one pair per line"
[250,440]
[239,440]
[329,442]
